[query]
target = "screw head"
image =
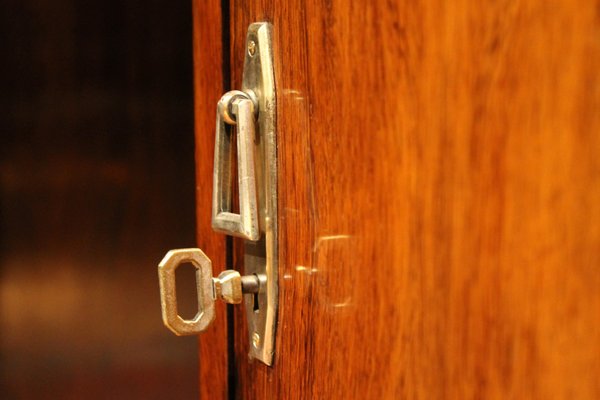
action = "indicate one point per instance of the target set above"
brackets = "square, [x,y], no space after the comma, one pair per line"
[251,48]
[256,340]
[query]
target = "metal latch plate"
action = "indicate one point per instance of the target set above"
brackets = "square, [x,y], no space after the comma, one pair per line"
[260,256]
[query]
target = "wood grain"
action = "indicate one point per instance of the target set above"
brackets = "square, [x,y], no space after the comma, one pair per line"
[208,88]
[439,199]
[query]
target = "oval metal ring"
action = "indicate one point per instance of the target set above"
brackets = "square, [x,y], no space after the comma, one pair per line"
[168,293]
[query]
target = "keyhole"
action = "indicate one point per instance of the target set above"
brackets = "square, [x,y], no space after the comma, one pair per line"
[255,302]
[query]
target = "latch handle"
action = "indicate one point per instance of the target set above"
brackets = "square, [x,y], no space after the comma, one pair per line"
[235,108]
[252,111]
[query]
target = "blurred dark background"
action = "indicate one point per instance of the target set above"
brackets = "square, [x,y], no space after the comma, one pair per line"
[96,184]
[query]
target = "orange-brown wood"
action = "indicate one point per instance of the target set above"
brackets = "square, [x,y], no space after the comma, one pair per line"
[439,199]
[208,88]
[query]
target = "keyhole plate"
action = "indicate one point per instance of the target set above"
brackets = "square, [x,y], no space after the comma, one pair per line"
[261,256]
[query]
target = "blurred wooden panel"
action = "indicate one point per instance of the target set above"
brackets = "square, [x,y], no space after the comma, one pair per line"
[96,184]
[439,199]
[209,86]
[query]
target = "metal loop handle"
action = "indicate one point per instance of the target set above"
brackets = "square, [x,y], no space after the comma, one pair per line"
[235,108]
[204,288]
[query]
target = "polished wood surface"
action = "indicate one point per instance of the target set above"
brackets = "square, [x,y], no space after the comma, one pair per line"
[439,200]
[208,88]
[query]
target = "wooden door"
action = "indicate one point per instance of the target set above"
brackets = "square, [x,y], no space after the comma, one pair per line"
[439,198]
